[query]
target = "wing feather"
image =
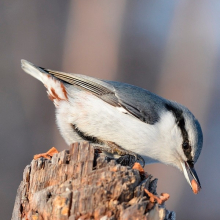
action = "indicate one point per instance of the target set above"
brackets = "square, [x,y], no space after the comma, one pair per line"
[106,92]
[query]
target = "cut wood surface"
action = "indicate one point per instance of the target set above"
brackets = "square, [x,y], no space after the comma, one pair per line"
[78,184]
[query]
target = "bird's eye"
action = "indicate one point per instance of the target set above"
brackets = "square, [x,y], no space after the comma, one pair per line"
[186,146]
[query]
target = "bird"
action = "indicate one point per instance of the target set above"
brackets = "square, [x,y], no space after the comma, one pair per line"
[123,119]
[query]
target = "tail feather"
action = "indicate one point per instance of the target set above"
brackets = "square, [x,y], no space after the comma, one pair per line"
[55,88]
[33,70]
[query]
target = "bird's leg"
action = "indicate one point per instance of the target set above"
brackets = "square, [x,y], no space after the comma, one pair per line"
[100,149]
[127,157]
[126,160]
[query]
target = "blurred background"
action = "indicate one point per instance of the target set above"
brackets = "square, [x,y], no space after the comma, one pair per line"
[171,48]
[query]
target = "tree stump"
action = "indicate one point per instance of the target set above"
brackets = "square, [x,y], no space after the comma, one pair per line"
[75,184]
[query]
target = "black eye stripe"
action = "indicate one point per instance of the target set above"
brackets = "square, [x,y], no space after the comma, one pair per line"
[178,113]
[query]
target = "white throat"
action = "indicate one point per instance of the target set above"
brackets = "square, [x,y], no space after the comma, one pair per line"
[163,144]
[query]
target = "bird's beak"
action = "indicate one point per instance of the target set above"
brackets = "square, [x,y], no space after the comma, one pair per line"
[186,167]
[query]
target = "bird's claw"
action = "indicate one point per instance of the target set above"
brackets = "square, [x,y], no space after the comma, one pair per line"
[130,160]
[126,160]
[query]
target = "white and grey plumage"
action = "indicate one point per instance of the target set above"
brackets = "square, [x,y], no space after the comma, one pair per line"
[133,118]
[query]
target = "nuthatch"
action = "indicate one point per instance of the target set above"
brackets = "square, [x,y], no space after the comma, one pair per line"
[122,119]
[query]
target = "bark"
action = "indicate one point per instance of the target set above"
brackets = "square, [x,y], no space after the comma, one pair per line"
[76,184]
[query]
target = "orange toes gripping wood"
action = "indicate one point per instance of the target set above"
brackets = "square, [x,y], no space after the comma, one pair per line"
[47,155]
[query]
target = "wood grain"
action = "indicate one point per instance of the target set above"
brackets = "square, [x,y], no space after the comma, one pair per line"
[75,184]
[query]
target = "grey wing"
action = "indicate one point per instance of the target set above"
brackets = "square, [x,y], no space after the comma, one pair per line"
[112,93]
[143,104]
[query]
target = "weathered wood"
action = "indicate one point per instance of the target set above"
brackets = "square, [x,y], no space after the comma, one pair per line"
[68,186]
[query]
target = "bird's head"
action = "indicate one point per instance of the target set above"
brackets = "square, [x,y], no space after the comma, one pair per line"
[185,140]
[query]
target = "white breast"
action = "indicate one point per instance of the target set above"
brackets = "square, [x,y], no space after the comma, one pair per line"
[96,118]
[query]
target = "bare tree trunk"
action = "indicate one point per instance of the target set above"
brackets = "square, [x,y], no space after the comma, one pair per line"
[75,184]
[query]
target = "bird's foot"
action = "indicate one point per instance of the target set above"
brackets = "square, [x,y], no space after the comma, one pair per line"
[127,155]
[128,158]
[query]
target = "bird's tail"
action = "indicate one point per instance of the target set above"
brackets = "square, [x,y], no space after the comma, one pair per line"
[35,71]
[55,88]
